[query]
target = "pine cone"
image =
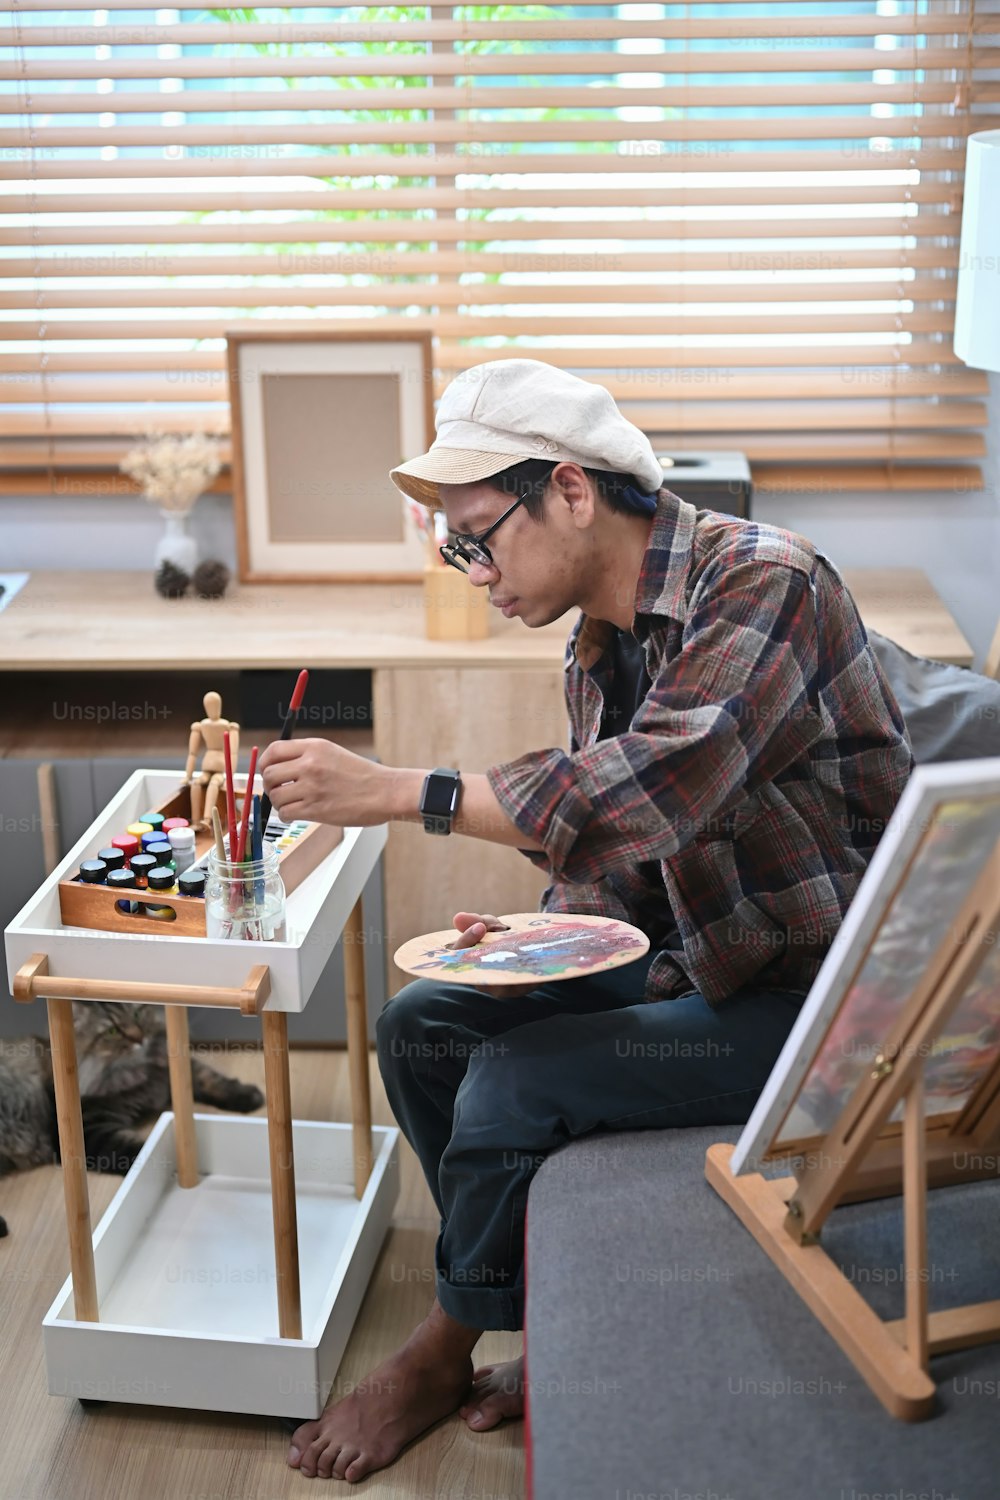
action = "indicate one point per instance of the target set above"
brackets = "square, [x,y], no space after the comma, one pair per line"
[210,579]
[172,582]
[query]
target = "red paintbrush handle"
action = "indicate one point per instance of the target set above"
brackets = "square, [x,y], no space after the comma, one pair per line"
[230,795]
[247,799]
[299,692]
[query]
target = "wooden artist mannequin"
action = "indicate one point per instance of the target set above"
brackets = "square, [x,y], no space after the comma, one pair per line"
[205,784]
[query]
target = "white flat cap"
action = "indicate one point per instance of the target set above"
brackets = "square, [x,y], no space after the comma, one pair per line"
[494,415]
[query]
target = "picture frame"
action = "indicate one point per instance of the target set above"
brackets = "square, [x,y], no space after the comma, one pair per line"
[319,417]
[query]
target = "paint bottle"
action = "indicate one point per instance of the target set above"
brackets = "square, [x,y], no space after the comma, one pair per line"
[93,871]
[140,866]
[152,837]
[161,879]
[123,880]
[128,844]
[113,857]
[154,819]
[161,852]
[182,848]
[138,829]
[169,824]
[191,882]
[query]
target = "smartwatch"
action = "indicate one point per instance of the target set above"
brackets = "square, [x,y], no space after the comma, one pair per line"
[439,799]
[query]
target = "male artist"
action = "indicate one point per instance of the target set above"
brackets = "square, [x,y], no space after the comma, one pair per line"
[735,752]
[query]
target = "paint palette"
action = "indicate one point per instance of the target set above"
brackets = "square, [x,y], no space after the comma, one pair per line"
[541,946]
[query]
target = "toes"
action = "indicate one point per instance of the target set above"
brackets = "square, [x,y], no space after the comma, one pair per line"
[301,1439]
[328,1462]
[318,1459]
[345,1458]
[357,1469]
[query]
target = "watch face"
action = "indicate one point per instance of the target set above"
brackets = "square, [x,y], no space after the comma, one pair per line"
[440,797]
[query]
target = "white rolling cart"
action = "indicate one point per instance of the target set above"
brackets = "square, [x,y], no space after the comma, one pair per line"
[229,1268]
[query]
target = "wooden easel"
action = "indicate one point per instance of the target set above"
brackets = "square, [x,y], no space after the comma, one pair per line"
[33,980]
[863,1156]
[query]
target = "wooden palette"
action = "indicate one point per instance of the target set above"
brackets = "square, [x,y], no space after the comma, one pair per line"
[544,946]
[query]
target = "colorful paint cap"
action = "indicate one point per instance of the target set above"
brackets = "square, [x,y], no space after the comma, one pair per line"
[154,819]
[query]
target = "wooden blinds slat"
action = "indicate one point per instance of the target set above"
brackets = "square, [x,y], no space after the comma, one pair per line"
[742,220]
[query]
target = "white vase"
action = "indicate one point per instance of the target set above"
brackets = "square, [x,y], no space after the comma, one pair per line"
[175,546]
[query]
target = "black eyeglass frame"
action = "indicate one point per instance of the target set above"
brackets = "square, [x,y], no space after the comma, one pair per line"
[469,548]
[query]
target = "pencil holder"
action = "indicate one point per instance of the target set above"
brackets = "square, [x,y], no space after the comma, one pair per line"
[453,609]
[245,901]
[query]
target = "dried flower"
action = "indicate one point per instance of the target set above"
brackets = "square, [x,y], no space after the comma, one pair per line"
[174,468]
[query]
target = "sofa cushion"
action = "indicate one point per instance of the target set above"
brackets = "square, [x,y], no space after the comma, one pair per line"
[668,1357]
[951,713]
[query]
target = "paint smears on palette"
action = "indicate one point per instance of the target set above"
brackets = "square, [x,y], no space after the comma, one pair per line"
[545,946]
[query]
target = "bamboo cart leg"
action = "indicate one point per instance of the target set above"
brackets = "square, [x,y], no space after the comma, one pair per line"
[181,1095]
[279,1136]
[69,1117]
[357,1048]
[915,1220]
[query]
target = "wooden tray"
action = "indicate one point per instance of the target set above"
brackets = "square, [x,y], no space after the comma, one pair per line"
[84,905]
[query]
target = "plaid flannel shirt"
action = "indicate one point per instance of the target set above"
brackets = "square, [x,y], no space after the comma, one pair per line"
[758,773]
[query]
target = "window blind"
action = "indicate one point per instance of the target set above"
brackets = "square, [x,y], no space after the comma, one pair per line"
[742,219]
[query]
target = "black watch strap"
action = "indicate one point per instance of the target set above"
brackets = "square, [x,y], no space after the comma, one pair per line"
[439,799]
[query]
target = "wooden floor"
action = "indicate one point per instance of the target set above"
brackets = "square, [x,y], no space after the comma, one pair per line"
[51,1448]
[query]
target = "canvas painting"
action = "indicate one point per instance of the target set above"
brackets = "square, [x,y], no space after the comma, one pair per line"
[944,830]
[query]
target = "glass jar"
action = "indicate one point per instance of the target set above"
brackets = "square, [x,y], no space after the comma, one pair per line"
[245,902]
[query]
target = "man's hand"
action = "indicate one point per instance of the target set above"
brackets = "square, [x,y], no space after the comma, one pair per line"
[321,781]
[472,928]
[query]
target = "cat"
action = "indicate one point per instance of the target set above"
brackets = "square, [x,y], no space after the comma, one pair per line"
[124,1082]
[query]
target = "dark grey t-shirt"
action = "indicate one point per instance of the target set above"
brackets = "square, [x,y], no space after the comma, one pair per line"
[629,687]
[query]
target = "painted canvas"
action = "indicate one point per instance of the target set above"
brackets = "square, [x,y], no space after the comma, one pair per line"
[945,828]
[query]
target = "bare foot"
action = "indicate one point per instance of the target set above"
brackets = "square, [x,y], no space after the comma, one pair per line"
[418,1385]
[497,1392]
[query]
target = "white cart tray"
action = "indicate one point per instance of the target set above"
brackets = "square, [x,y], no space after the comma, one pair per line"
[185,1276]
[316,913]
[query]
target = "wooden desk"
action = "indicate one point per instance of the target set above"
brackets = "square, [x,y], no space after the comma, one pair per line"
[468,704]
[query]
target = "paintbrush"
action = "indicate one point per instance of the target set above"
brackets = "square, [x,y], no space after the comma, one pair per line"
[230,795]
[286,731]
[241,847]
[220,843]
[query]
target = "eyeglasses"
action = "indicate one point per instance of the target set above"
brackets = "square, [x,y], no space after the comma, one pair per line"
[468,548]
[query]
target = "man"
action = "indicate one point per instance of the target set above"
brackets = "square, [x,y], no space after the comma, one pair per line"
[735,752]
